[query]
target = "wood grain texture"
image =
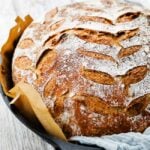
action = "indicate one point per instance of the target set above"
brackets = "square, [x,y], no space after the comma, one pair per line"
[15,136]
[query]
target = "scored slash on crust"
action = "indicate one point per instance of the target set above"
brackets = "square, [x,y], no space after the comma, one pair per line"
[86,75]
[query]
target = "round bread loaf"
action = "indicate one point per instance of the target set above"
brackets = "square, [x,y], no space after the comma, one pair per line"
[90,62]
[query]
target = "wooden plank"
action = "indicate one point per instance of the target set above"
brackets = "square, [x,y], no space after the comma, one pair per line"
[15,136]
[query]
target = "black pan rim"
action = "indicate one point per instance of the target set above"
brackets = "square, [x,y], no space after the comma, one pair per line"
[58,144]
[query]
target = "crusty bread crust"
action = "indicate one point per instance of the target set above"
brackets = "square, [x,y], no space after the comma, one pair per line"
[90,63]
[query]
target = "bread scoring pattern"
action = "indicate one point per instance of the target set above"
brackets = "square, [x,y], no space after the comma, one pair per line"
[90,63]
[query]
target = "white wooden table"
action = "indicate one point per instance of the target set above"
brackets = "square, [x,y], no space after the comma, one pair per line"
[13,134]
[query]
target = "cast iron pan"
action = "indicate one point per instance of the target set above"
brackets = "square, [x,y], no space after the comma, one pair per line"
[38,129]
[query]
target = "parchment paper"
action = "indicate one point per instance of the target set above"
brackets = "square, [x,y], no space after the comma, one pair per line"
[25,97]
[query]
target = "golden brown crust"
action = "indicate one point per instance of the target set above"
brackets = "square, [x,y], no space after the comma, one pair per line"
[124,52]
[128,17]
[96,55]
[23,62]
[90,67]
[96,37]
[98,76]
[135,75]
[96,19]
[56,25]
[26,43]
